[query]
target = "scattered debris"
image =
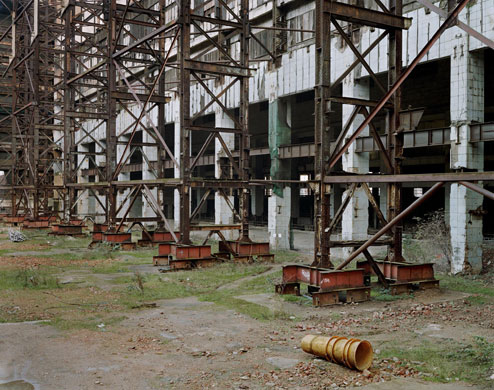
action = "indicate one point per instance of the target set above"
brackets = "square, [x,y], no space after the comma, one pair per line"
[16,236]
[145,305]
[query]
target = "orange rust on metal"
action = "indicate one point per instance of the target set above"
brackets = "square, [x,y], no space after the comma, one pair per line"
[165,249]
[66,229]
[352,353]
[117,237]
[401,272]
[164,236]
[191,251]
[99,227]
[323,278]
[97,236]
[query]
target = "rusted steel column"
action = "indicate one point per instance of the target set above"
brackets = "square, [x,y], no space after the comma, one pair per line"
[185,121]
[111,124]
[244,122]
[14,166]
[395,137]
[322,136]
[391,223]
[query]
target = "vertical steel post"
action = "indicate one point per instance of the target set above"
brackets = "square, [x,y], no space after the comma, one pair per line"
[322,135]
[244,122]
[395,136]
[185,121]
[111,124]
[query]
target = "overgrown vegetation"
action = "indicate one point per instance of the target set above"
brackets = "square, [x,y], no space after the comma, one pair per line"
[384,295]
[449,361]
[430,241]
[13,279]
[466,284]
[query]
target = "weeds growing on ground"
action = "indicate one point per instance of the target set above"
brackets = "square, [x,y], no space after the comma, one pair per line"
[430,242]
[466,284]
[448,360]
[27,278]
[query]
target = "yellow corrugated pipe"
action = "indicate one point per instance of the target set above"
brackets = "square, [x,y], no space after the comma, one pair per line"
[353,353]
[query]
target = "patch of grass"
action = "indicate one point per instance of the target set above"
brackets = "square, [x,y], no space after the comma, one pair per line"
[253,310]
[301,300]
[211,278]
[90,323]
[183,283]
[479,300]
[446,360]
[27,278]
[153,288]
[113,267]
[466,284]
[260,285]
[69,243]
[82,254]
[383,295]
[289,257]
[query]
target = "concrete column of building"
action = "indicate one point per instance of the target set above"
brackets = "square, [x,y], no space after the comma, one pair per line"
[223,213]
[279,203]
[467,107]
[257,193]
[148,172]
[355,220]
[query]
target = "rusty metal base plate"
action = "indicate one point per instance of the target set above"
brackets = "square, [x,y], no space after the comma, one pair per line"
[408,287]
[288,288]
[185,264]
[128,246]
[243,259]
[326,298]
[160,260]
[268,258]
[78,235]
[145,243]
[225,256]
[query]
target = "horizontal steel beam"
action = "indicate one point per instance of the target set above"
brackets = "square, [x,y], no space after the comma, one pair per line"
[357,102]
[219,69]
[365,16]
[141,96]
[411,178]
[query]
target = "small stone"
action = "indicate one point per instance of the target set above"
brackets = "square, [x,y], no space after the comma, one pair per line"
[366,373]
[491,377]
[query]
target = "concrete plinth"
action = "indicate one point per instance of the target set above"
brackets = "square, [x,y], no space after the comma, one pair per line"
[279,219]
[223,213]
[467,106]
[355,220]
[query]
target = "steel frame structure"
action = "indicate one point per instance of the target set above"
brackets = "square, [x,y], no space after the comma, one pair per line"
[391,23]
[35,115]
[112,57]
[76,65]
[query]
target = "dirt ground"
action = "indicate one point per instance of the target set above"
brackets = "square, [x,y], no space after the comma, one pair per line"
[80,319]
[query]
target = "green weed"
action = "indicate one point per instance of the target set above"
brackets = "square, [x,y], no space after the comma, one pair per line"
[448,359]
[467,285]
[27,279]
